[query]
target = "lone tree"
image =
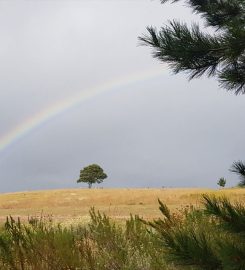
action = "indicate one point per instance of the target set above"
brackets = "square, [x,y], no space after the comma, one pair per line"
[238,167]
[222,182]
[92,174]
[190,50]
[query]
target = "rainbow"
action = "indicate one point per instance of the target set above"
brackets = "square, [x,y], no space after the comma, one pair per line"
[29,124]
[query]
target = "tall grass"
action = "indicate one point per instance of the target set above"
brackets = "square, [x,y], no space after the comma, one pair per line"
[100,245]
[208,238]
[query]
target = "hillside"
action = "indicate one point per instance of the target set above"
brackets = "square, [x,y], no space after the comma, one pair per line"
[73,204]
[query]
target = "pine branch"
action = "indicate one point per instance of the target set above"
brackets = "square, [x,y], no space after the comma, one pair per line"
[185,50]
[191,247]
[232,77]
[232,216]
[238,167]
[196,53]
[232,252]
[217,13]
[185,240]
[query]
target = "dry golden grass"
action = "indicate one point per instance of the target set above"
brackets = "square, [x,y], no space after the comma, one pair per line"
[72,204]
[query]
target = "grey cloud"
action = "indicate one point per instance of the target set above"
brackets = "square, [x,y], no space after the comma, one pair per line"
[158,132]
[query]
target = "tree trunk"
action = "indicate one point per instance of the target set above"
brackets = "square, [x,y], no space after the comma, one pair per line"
[89,185]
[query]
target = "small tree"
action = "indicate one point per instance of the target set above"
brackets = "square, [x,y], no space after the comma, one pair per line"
[92,174]
[238,167]
[222,182]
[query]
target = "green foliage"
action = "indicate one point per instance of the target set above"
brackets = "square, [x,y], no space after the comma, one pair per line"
[92,174]
[210,238]
[190,50]
[100,245]
[124,247]
[238,167]
[231,216]
[38,245]
[185,239]
[221,182]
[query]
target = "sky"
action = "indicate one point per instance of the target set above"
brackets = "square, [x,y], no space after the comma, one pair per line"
[76,88]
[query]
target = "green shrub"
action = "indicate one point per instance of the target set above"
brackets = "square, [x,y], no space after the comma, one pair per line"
[210,239]
[101,245]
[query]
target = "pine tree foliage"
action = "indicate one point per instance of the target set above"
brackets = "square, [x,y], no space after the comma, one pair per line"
[232,215]
[210,239]
[238,167]
[191,50]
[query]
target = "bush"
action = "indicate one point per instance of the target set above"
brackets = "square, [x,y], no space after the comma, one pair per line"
[212,238]
[101,245]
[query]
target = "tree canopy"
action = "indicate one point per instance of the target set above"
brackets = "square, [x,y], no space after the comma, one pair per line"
[92,174]
[221,182]
[238,167]
[191,50]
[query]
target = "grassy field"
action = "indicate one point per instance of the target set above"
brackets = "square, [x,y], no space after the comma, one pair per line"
[74,204]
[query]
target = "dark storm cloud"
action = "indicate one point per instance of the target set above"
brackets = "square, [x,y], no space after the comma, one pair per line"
[157,132]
